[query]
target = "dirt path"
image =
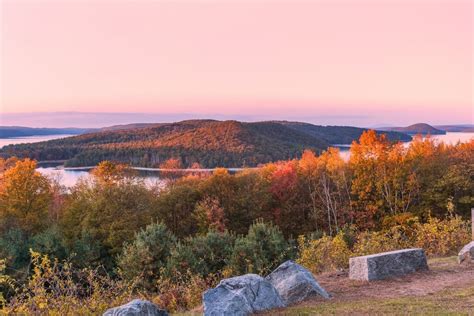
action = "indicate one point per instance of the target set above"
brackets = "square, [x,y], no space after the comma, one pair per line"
[445,285]
[442,275]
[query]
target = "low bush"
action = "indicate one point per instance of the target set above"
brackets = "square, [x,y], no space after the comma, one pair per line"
[147,255]
[260,251]
[202,255]
[6,284]
[380,241]
[437,237]
[58,289]
[183,291]
[325,253]
[442,237]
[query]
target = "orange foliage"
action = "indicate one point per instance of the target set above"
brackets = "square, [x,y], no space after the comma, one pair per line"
[108,172]
[25,196]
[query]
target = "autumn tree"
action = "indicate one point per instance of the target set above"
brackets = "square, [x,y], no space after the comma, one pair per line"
[6,164]
[209,215]
[25,197]
[291,208]
[103,213]
[366,154]
[244,197]
[175,204]
[108,172]
[445,175]
[328,180]
[171,168]
[385,180]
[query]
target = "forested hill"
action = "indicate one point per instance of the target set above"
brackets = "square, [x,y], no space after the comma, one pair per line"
[419,128]
[339,134]
[207,142]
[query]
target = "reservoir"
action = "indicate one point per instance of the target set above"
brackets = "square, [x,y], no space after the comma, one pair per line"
[69,177]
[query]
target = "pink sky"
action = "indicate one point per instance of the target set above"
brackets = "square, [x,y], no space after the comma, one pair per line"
[396,62]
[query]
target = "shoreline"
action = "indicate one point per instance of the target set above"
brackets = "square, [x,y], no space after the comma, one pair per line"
[85,168]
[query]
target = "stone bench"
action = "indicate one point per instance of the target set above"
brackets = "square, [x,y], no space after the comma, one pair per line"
[387,264]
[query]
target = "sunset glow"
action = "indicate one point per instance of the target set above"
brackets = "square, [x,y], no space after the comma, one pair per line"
[391,61]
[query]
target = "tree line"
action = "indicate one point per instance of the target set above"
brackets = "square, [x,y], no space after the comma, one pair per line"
[111,219]
[206,142]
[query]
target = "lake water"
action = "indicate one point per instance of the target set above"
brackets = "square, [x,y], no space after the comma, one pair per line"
[69,177]
[29,139]
[448,138]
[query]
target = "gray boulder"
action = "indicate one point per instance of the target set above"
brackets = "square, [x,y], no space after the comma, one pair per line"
[387,264]
[466,254]
[240,296]
[294,283]
[136,308]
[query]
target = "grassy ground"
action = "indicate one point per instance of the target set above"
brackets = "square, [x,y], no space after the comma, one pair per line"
[458,302]
[447,289]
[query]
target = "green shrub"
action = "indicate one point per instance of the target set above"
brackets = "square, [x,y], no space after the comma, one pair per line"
[202,255]
[147,254]
[262,250]
[14,246]
[49,242]
[86,251]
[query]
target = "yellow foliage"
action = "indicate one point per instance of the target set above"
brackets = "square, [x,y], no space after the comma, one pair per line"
[58,289]
[382,241]
[5,282]
[437,237]
[108,172]
[442,237]
[326,253]
[25,195]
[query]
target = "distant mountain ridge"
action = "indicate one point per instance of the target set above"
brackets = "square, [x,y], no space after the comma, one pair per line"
[207,142]
[336,135]
[457,128]
[21,131]
[415,129]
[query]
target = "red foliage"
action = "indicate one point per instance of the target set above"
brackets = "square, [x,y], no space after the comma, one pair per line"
[283,180]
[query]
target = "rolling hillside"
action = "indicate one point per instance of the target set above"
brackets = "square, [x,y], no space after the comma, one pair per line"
[338,134]
[415,129]
[207,142]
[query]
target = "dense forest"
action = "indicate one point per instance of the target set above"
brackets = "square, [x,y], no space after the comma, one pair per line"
[109,238]
[204,142]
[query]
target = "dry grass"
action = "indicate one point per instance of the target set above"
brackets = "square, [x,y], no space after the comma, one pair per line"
[447,289]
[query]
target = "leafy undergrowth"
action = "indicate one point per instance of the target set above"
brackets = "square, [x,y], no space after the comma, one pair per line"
[447,289]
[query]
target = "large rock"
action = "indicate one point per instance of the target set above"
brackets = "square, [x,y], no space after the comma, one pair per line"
[136,308]
[467,253]
[241,295]
[387,264]
[294,283]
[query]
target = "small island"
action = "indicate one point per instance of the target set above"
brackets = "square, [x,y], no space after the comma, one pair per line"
[416,129]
